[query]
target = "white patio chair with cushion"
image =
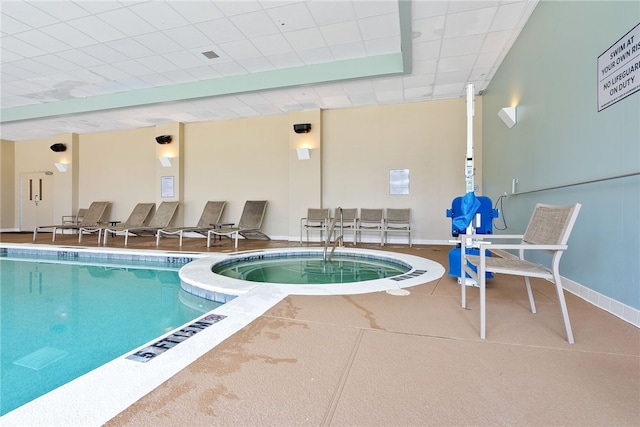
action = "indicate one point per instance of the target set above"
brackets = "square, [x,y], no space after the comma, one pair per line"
[397,221]
[548,230]
[316,219]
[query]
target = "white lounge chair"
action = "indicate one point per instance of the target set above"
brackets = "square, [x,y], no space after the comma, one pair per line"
[92,218]
[248,226]
[161,219]
[138,217]
[209,219]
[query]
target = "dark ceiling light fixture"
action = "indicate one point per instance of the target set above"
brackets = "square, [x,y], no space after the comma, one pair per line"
[210,54]
[302,128]
[163,139]
[58,147]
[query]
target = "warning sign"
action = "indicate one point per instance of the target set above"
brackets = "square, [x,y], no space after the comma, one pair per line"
[619,69]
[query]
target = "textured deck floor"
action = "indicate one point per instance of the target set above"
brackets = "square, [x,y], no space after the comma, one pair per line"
[383,360]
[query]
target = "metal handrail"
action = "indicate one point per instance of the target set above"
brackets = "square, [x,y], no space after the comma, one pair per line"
[340,238]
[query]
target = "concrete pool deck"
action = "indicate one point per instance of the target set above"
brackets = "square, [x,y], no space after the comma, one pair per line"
[378,359]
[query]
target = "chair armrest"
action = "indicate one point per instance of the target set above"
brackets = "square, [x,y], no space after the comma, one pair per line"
[494,236]
[523,246]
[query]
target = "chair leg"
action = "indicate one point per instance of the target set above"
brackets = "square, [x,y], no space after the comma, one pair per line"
[563,306]
[181,238]
[158,238]
[482,278]
[208,239]
[532,303]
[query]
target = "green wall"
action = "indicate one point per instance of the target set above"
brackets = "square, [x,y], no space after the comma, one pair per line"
[561,138]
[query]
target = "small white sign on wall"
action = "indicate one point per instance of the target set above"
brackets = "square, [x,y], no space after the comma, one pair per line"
[167,186]
[619,69]
[399,181]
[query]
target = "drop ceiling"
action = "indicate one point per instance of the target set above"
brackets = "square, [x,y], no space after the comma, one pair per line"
[93,66]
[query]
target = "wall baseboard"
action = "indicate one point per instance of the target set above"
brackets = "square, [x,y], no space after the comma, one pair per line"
[618,309]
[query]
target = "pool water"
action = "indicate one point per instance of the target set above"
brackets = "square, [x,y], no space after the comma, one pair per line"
[62,320]
[310,269]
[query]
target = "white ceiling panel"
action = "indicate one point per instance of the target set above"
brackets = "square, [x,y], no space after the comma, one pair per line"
[56,51]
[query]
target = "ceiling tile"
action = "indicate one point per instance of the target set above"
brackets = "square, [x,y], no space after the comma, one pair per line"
[291,17]
[467,23]
[305,39]
[220,30]
[127,22]
[274,44]
[197,11]
[254,24]
[331,12]
[341,33]
[97,29]
[159,14]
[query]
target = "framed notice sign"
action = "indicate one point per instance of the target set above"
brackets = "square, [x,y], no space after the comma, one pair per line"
[166,186]
[399,181]
[619,69]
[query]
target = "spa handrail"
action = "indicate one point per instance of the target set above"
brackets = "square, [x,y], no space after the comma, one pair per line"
[340,238]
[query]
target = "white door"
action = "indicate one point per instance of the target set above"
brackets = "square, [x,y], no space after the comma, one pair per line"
[36,207]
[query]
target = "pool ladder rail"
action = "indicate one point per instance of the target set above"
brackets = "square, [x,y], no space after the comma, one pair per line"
[338,241]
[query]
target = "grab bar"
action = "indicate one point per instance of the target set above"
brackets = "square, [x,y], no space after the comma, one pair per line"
[340,238]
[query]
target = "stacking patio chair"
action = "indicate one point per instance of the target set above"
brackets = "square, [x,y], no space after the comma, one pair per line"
[316,219]
[138,218]
[397,221]
[161,219]
[248,226]
[548,231]
[371,220]
[92,218]
[209,219]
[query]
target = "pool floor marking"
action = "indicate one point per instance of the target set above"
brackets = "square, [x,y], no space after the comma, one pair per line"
[411,275]
[41,358]
[157,348]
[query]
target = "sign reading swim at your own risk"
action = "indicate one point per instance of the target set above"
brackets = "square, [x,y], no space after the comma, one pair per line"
[619,69]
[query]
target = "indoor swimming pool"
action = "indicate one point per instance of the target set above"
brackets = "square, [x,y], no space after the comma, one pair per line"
[100,394]
[64,318]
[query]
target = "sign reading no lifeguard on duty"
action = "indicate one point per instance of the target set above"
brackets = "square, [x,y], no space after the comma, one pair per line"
[619,69]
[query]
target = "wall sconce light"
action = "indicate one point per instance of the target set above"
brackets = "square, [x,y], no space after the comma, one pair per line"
[302,128]
[62,167]
[165,161]
[509,116]
[303,153]
[163,139]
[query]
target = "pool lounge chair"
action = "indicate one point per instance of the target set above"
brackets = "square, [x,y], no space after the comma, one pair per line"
[92,218]
[161,219]
[137,218]
[211,215]
[248,226]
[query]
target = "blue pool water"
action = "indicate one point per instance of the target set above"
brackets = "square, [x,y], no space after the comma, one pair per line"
[62,320]
[309,268]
